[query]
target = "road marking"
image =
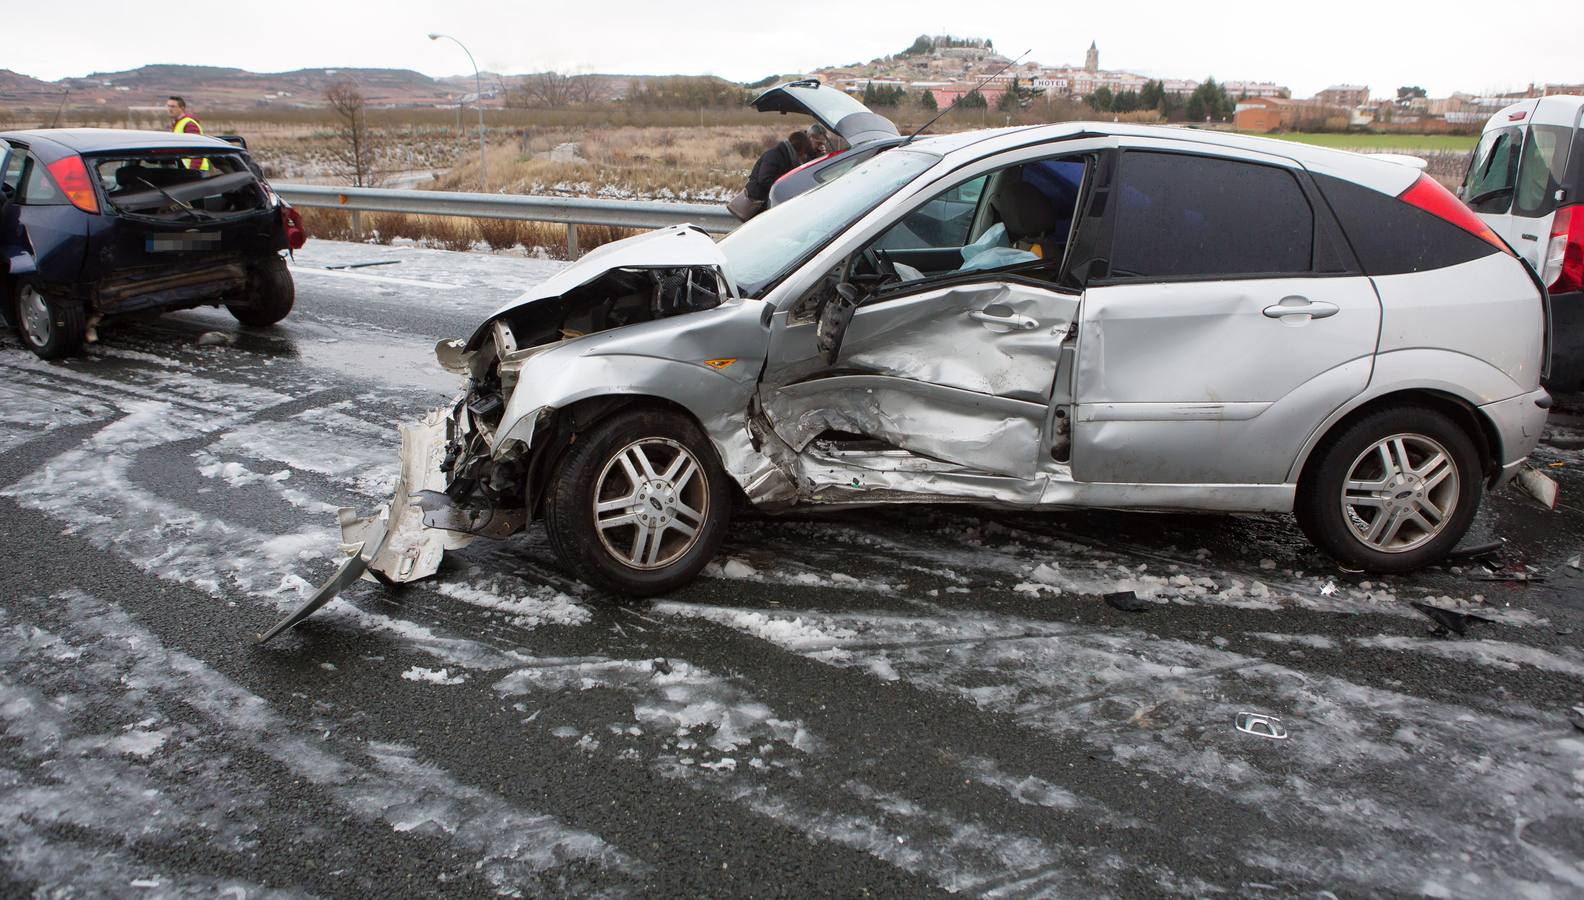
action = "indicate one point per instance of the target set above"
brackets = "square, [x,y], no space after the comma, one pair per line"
[384,279]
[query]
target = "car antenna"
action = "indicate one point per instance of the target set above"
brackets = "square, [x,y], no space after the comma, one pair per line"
[976,87]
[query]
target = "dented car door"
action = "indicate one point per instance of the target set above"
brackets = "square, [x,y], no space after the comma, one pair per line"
[960,373]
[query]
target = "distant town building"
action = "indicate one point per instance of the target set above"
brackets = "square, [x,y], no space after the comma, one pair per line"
[1348,95]
[1092,58]
[1237,89]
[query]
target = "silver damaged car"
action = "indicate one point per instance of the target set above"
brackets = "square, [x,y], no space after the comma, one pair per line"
[1078,315]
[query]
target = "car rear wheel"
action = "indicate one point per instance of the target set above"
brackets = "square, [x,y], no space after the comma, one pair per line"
[1392,492]
[51,327]
[639,503]
[271,295]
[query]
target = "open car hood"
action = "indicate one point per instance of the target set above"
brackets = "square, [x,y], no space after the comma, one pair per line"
[673,247]
[834,109]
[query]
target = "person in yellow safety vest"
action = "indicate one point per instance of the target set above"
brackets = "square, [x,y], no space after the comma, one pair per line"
[182,123]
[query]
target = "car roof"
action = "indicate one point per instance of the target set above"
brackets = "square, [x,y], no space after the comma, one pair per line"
[1553,109]
[102,140]
[1388,174]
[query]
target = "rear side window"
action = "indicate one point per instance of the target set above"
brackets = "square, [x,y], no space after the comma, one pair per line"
[1540,174]
[1181,216]
[1488,184]
[38,188]
[1391,237]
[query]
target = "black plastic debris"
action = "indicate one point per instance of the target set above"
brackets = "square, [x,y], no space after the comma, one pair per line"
[1448,619]
[364,265]
[661,666]
[1126,601]
[1474,551]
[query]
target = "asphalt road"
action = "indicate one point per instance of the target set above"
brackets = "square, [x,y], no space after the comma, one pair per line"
[898,702]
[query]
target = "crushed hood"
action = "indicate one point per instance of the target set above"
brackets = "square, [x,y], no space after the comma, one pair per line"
[676,246]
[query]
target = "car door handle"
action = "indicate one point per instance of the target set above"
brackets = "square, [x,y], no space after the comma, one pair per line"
[1012,321]
[1301,306]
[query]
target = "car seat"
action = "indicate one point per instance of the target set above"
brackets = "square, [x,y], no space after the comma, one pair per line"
[1029,216]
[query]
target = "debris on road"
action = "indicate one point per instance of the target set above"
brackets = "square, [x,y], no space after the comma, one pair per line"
[1127,601]
[216,339]
[364,265]
[1477,550]
[1261,725]
[1448,619]
[1540,486]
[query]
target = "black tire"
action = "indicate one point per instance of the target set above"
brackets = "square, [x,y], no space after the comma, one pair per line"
[592,465]
[270,295]
[1336,528]
[50,326]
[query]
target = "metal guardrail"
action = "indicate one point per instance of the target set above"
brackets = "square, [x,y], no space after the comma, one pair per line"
[570,211]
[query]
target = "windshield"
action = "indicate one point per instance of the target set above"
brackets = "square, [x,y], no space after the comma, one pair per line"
[771,243]
[1488,184]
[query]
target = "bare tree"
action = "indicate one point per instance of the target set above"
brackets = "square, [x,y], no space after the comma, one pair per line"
[355,150]
[546,90]
[590,90]
[557,90]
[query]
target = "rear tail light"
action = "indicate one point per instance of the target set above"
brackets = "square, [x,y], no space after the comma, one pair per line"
[1427,194]
[296,234]
[1564,257]
[71,176]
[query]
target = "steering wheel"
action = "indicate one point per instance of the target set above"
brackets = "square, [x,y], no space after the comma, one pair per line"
[877,270]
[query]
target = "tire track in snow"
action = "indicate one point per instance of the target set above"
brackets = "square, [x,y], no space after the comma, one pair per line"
[384,783]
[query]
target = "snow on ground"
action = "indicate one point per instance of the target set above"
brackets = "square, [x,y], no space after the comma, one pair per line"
[1166,707]
[146,698]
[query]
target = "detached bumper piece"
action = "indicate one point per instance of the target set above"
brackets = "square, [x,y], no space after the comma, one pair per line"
[396,545]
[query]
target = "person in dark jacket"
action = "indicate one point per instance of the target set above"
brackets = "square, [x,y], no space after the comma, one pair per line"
[785,156]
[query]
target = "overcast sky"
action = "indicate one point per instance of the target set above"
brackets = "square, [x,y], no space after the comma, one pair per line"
[1444,47]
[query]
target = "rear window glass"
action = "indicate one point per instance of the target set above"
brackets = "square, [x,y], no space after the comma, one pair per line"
[1488,184]
[1540,174]
[1192,216]
[176,187]
[1391,237]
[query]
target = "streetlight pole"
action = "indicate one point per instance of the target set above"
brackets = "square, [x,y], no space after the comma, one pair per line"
[478,100]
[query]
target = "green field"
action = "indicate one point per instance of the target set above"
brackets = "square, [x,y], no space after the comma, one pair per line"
[1448,142]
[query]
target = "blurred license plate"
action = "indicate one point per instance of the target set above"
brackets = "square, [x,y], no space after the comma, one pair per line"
[188,240]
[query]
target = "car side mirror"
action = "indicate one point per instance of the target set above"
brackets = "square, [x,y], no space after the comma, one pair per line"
[834,315]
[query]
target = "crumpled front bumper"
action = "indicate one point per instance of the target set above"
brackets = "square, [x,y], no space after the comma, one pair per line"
[396,544]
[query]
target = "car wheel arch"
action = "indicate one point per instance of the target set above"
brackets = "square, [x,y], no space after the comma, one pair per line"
[1480,429]
[555,435]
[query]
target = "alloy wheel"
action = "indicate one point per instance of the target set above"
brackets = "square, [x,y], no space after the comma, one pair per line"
[35,315]
[650,503]
[1400,492]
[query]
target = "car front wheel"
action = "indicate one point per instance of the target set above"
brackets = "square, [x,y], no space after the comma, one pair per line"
[639,503]
[1393,492]
[51,327]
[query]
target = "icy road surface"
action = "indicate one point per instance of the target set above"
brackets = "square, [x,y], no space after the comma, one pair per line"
[897,702]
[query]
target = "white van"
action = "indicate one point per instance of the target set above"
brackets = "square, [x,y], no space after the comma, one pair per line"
[1526,181]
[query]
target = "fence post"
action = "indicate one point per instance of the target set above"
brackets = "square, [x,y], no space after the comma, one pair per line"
[572,241]
[357,223]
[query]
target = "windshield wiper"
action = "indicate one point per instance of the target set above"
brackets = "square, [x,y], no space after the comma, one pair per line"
[1489,194]
[196,214]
